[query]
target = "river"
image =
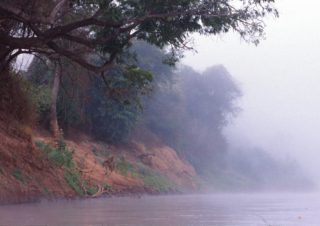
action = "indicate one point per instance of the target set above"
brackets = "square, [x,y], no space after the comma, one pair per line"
[177,210]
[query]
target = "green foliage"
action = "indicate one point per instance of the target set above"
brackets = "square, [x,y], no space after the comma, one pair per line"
[107,187]
[114,105]
[91,190]
[154,180]
[73,97]
[126,84]
[40,77]
[41,97]
[110,107]
[182,17]
[114,123]
[123,166]
[155,60]
[71,94]
[16,173]
[15,99]
[72,177]
[114,24]
[56,157]
[60,156]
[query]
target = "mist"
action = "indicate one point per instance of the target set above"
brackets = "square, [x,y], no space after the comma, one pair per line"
[279,79]
[192,112]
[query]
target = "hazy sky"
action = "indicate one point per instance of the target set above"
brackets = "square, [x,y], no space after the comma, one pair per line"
[280,80]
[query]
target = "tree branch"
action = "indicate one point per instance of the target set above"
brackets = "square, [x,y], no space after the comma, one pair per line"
[82,62]
[55,11]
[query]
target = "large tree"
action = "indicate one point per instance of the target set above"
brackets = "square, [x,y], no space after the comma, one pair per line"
[107,26]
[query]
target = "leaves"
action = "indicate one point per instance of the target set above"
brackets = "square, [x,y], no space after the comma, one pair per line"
[115,106]
[108,27]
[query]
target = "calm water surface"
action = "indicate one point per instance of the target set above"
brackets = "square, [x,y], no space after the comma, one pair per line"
[184,210]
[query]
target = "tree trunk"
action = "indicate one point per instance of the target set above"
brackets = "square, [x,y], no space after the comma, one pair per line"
[54,126]
[4,55]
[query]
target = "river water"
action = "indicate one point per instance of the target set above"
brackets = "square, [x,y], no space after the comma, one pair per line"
[180,210]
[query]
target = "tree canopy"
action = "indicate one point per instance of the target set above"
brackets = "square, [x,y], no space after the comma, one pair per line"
[72,28]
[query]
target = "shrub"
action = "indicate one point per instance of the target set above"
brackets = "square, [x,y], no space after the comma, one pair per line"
[91,190]
[41,98]
[107,187]
[154,180]
[123,166]
[61,156]
[72,177]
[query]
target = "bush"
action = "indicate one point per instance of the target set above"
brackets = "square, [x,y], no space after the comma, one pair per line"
[91,190]
[72,177]
[60,156]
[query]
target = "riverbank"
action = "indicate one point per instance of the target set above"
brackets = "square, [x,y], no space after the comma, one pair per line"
[34,166]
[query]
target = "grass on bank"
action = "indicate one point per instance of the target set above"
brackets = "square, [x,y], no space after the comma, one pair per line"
[61,156]
[152,179]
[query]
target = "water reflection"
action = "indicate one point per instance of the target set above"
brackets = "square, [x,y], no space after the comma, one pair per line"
[193,210]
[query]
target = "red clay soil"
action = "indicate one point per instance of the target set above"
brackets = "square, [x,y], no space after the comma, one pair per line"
[26,173]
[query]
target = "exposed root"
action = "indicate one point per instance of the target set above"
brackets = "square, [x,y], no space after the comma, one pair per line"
[100,192]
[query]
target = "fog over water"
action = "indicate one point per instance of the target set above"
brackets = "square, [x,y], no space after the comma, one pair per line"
[186,210]
[280,80]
